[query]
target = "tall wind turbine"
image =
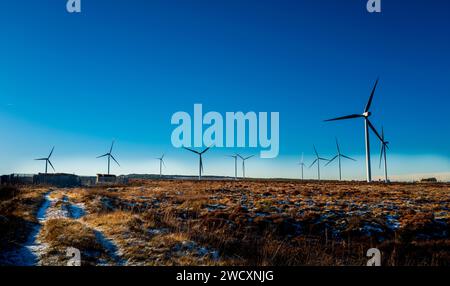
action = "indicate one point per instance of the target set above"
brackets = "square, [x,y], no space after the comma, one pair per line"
[235,165]
[47,160]
[318,159]
[338,156]
[161,163]
[302,164]
[243,163]
[367,124]
[200,154]
[384,145]
[110,156]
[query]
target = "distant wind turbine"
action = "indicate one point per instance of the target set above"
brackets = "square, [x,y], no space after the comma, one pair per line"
[366,114]
[302,164]
[47,160]
[110,156]
[161,163]
[384,145]
[338,156]
[200,154]
[235,165]
[243,163]
[318,159]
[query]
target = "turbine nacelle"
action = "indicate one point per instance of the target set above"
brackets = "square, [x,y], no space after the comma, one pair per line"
[367,114]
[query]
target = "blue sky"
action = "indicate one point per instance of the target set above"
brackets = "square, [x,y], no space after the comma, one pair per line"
[120,69]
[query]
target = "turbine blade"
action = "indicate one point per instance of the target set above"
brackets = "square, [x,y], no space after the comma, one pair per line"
[51,152]
[374,130]
[345,117]
[369,103]
[204,151]
[323,159]
[337,145]
[193,151]
[164,164]
[112,144]
[381,156]
[348,158]
[103,155]
[315,151]
[240,156]
[51,165]
[249,157]
[41,159]
[329,162]
[115,160]
[313,163]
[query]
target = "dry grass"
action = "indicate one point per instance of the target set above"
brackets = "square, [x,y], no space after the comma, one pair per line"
[261,222]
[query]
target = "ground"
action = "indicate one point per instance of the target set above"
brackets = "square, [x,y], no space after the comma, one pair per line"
[261,222]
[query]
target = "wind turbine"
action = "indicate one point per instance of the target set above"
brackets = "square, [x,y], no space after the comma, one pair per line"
[200,167]
[367,124]
[110,156]
[161,163]
[338,156]
[302,164]
[384,145]
[318,159]
[47,160]
[243,163]
[235,165]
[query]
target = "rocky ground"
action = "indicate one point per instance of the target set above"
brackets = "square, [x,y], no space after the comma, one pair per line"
[227,223]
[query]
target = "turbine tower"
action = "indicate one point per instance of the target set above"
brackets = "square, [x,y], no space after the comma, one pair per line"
[110,156]
[243,163]
[318,159]
[161,163]
[235,165]
[200,154]
[302,164]
[338,156]
[367,124]
[47,160]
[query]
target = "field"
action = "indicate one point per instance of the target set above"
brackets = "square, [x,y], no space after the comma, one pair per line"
[257,222]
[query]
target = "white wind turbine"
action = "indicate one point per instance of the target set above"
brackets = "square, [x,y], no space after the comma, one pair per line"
[338,156]
[384,146]
[110,156]
[235,165]
[200,154]
[161,163]
[367,124]
[302,164]
[47,160]
[318,159]
[243,163]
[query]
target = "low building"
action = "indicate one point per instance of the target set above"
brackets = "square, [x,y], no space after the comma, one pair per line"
[16,179]
[103,179]
[57,180]
[87,181]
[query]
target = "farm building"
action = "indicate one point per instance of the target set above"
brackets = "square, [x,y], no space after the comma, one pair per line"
[57,180]
[16,179]
[106,179]
[87,181]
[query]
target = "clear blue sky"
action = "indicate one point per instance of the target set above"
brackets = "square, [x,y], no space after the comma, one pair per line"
[120,69]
